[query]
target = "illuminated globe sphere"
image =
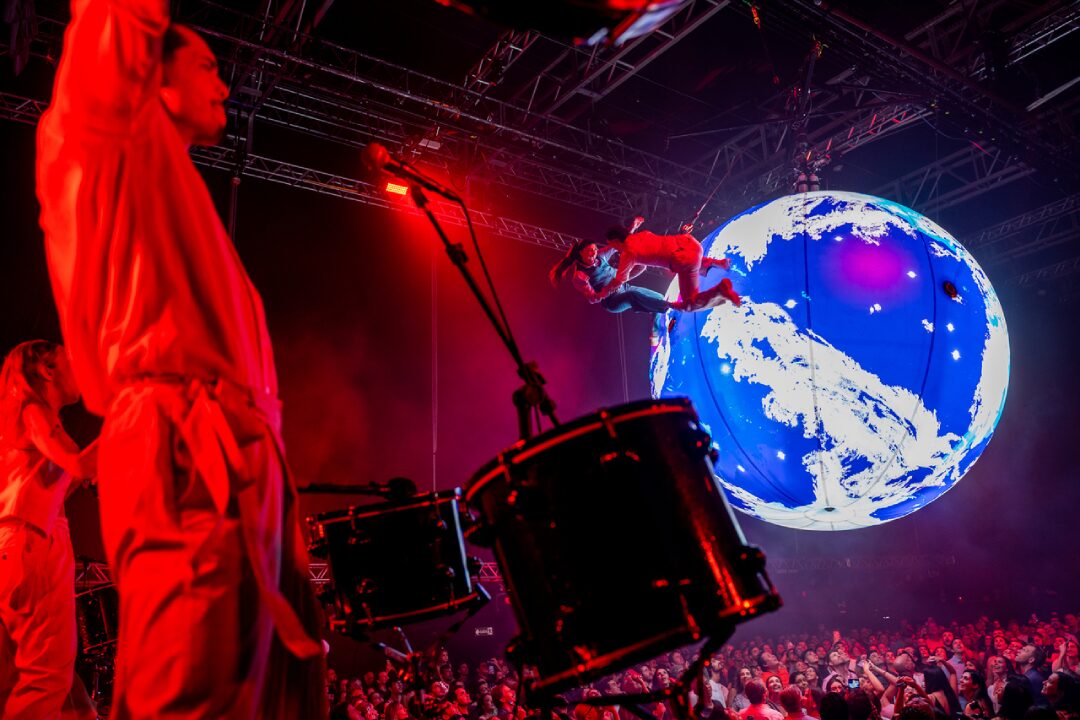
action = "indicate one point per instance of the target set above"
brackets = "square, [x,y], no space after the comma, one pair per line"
[863,374]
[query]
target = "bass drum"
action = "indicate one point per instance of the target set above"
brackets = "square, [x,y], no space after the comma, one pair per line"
[615,543]
[394,563]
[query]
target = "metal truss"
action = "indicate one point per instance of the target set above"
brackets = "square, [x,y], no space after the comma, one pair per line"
[758,169]
[324,183]
[96,573]
[581,76]
[91,574]
[1065,268]
[836,139]
[1051,225]
[944,35]
[894,562]
[956,89]
[346,73]
[333,92]
[20,109]
[955,178]
[25,110]
[1042,33]
[489,71]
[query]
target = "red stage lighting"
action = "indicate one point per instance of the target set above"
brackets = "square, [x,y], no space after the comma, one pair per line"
[397,189]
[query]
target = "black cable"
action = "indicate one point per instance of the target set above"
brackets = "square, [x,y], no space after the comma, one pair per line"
[487,276]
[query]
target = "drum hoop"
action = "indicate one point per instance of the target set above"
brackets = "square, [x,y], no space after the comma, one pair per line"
[351,513]
[432,500]
[509,457]
[747,607]
[586,668]
[437,608]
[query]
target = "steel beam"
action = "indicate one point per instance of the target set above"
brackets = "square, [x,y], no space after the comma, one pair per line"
[955,178]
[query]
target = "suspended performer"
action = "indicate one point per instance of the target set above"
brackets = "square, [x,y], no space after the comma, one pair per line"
[589,269]
[37,570]
[680,254]
[168,341]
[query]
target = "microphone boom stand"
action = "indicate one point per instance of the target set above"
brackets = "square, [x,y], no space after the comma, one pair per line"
[531,397]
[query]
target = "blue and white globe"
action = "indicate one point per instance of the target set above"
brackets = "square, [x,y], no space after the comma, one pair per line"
[863,374]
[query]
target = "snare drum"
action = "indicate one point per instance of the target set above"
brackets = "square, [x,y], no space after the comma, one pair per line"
[394,563]
[616,543]
[96,614]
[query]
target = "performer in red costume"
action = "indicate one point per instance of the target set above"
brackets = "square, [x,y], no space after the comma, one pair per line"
[681,254]
[168,341]
[37,571]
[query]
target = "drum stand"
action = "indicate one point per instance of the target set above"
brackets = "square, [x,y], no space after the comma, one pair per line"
[531,400]
[678,694]
[411,660]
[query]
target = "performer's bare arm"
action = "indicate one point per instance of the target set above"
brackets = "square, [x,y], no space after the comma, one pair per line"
[49,437]
[110,66]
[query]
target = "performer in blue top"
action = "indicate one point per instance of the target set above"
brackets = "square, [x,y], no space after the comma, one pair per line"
[590,271]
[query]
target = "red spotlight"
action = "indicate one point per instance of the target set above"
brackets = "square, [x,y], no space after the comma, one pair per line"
[397,189]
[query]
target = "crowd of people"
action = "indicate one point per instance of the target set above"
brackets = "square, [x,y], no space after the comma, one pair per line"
[1018,670]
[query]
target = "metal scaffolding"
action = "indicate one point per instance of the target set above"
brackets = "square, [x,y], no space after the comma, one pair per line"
[1031,232]
[581,76]
[955,178]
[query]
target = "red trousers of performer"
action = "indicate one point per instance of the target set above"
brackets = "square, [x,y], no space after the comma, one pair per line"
[197,635]
[37,620]
[686,264]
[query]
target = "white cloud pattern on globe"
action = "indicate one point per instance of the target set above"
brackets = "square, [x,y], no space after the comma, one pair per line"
[849,389]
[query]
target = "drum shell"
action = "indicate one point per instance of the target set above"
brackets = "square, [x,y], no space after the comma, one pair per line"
[616,542]
[394,563]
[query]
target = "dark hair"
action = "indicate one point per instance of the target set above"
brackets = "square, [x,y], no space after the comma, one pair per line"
[833,707]
[22,382]
[616,232]
[917,711]
[174,40]
[1069,687]
[1015,698]
[755,691]
[560,269]
[739,686]
[861,705]
[791,699]
[934,679]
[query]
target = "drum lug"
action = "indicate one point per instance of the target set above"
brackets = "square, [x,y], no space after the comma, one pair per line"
[366,586]
[699,443]
[751,558]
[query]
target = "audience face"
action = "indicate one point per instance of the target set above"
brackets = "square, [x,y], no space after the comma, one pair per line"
[774,685]
[836,685]
[904,664]
[1050,688]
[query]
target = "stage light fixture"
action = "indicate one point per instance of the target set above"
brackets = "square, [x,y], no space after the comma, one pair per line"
[397,189]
